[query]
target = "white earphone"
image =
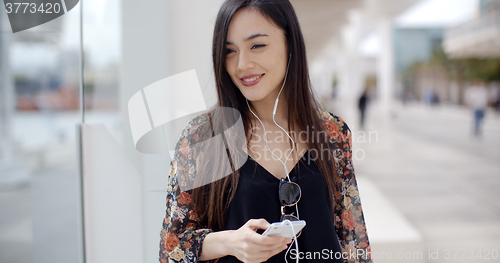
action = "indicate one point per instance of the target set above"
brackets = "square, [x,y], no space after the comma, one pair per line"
[274,113]
[293,147]
[265,136]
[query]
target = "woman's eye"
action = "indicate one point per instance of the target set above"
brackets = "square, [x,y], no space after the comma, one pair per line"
[258,46]
[229,51]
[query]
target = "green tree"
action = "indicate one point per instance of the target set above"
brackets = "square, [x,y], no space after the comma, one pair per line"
[466,70]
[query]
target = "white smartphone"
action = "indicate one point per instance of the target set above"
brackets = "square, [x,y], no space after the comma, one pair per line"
[284,229]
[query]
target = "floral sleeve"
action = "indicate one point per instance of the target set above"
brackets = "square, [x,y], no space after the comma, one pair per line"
[349,219]
[182,234]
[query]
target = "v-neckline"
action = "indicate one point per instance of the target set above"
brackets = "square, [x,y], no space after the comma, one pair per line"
[293,168]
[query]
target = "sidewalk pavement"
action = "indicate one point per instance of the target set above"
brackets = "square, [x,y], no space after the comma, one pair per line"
[430,192]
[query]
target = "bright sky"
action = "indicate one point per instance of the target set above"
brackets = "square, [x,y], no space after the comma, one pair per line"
[438,13]
[427,13]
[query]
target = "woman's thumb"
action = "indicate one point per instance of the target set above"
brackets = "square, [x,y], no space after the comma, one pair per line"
[255,224]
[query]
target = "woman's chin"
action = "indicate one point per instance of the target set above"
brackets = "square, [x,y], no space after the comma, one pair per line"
[253,97]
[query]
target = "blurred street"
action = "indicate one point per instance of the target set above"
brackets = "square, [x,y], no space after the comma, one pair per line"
[427,186]
[40,220]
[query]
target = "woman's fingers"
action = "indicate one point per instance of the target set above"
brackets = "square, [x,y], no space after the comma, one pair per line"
[265,240]
[253,247]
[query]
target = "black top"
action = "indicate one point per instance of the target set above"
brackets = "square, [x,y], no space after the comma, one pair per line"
[257,197]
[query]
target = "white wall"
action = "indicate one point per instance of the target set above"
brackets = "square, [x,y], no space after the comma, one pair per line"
[112,200]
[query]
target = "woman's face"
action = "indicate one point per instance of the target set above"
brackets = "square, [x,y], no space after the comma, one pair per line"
[256,55]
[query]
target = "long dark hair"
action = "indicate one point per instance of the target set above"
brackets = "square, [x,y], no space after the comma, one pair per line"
[210,200]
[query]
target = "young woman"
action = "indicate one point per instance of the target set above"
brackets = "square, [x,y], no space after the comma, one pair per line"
[261,71]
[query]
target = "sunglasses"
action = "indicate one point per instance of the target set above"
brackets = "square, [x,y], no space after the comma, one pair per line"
[289,194]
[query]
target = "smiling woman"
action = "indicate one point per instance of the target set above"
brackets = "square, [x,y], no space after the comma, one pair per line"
[260,69]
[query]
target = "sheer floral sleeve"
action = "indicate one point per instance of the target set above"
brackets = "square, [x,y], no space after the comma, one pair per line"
[349,219]
[182,234]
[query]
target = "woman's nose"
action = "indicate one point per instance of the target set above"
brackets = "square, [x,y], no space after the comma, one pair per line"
[245,61]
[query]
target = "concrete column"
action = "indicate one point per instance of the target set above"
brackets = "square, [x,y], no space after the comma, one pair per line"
[147,57]
[322,75]
[113,202]
[12,172]
[7,99]
[351,79]
[159,39]
[385,75]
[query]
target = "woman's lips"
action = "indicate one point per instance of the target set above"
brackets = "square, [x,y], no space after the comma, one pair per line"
[251,80]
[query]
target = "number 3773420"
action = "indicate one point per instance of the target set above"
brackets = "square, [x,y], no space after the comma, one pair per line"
[46,8]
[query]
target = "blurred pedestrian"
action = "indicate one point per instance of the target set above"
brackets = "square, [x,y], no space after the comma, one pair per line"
[476,98]
[495,88]
[363,101]
[434,100]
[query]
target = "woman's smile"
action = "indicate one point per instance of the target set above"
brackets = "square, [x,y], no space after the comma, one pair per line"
[250,80]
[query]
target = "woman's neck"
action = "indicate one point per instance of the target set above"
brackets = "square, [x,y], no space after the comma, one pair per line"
[264,110]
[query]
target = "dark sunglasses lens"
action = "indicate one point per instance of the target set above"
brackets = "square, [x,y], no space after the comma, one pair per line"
[289,193]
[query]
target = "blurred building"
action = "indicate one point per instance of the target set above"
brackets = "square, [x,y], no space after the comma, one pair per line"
[479,38]
[340,59]
[413,46]
[436,64]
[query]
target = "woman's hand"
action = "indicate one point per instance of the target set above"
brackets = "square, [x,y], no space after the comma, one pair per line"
[249,246]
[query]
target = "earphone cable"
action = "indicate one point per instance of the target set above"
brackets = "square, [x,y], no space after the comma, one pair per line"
[284,163]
